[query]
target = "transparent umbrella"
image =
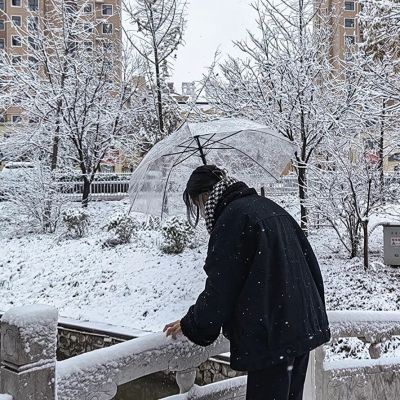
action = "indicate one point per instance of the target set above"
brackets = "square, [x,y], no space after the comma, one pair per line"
[249,151]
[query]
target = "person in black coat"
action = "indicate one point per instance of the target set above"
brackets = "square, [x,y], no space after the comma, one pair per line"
[264,287]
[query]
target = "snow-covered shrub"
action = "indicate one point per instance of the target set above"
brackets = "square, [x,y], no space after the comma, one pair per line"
[152,224]
[123,226]
[76,221]
[36,194]
[177,234]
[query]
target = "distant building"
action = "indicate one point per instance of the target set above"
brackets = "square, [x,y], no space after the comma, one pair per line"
[104,15]
[346,31]
[189,89]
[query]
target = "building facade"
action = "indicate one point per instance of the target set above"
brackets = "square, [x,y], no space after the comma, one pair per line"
[23,17]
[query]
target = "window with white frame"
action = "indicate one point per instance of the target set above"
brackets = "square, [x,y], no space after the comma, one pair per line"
[33,5]
[2,6]
[88,45]
[33,23]
[107,9]
[16,119]
[88,28]
[16,20]
[107,47]
[107,28]
[349,22]
[16,41]
[16,60]
[16,3]
[349,40]
[87,8]
[2,25]
[349,5]
[2,44]
[33,62]
[33,44]
[108,66]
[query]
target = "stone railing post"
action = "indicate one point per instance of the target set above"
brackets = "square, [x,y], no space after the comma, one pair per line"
[185,379]
[28,352]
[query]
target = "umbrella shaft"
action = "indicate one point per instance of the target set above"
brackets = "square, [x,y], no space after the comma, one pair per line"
[202,155]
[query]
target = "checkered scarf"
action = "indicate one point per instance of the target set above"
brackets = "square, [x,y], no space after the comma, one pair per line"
[213,199]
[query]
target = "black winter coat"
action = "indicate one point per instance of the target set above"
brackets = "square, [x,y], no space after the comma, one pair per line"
[264,285]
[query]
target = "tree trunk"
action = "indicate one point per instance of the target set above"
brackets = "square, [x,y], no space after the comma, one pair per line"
[86,191]
[302,182]
[159,97]
[366,244]
[381,148]
[54,153]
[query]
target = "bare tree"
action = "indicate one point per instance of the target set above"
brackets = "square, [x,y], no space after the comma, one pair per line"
[158,31]
[286,80]
[76,94]
[346,189]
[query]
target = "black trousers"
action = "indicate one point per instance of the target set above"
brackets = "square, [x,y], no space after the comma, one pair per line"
[283,381]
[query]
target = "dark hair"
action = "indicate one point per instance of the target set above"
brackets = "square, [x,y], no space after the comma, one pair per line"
[201,181]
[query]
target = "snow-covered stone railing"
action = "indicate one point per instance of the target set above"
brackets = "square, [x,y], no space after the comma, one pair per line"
[28,362]
[366,379]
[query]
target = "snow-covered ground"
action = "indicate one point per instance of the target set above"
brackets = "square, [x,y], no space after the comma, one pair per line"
[137,285]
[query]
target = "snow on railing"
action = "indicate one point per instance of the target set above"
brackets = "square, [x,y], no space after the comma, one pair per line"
[96,375]
[99,372]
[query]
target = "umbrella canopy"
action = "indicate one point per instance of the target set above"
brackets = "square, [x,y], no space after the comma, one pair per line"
[248,150]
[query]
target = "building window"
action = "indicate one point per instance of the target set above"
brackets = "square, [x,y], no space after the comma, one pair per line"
[16,60]
[349,22]
[2,44]
[88,28]
[2,119]
[88,45]
[33,23]
[107,47]
[2,25]
[32,43]
[107,9]
[16,20]
[108,66]
[348,56]
[33,5]
[16,119]
[16,41]
[87,8]
[33,62]
[349,40]
[2,5]
[349,5]
[107,28]
[16,3]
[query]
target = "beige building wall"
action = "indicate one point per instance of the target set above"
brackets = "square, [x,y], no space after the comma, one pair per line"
[104,14]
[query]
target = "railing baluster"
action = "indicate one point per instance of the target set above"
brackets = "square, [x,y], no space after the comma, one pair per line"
[185,379]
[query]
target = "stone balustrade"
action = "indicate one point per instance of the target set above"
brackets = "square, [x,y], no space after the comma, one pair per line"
[28,362]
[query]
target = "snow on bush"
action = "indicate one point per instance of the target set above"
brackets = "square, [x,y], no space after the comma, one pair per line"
[36,194]
[76,221]
[152,224]
[177,234]
[123,226]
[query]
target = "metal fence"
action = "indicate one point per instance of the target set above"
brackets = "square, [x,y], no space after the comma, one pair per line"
[106,186]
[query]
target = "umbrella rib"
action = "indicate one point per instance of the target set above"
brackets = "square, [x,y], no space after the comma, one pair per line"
[251,158]
[177,162]
[184,159]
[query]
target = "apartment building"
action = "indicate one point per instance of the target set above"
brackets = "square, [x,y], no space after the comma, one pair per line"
[103,25]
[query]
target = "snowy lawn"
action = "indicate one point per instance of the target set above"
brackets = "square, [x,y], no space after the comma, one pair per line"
[137,285]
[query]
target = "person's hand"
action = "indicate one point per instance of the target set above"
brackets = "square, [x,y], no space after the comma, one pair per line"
[173,329]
